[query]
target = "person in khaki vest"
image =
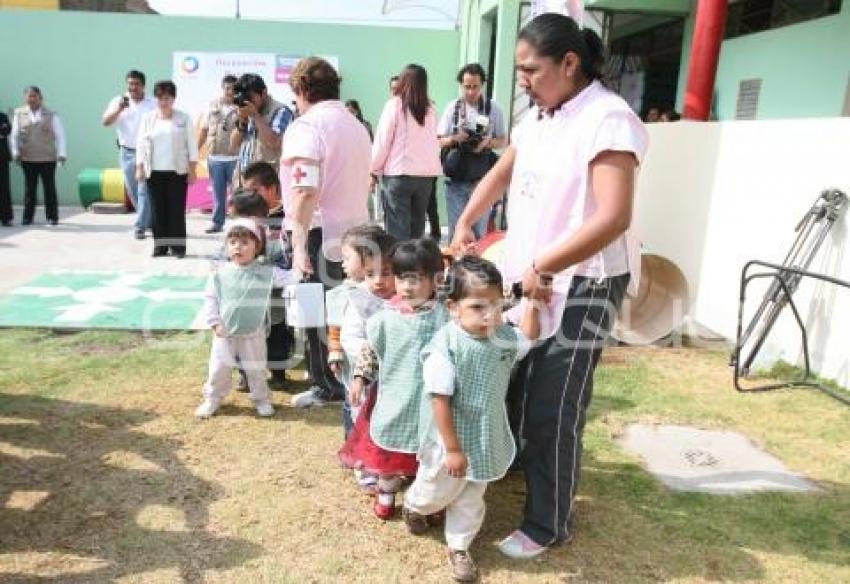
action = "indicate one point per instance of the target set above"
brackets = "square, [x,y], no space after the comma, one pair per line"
[38,143]
[216,127]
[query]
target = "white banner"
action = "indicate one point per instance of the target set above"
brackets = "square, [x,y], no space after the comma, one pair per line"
[572,8]
[198,76]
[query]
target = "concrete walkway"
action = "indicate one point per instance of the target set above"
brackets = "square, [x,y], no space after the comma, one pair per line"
[85,241]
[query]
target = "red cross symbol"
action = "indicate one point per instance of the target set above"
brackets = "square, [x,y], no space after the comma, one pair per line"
[298,174]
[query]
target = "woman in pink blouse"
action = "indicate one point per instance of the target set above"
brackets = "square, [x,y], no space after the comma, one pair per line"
[406,154]
[571,169]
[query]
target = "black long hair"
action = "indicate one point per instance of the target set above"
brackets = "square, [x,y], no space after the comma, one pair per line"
[554,35]
[413,91]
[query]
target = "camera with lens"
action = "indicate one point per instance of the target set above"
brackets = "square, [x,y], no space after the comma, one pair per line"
[241,94]
[477,132]
[247,85]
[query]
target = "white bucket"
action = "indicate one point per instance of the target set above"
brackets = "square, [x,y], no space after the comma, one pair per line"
[305,305]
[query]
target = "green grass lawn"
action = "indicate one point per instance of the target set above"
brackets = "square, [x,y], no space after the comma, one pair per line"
[106,477]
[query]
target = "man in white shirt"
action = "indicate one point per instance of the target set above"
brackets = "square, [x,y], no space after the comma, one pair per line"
[473,126]
[38,143]
[126,112]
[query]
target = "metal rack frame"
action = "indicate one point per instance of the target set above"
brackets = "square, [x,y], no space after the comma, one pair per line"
[786,277]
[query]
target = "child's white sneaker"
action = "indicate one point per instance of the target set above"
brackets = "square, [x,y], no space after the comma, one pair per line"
[265,409]
[207,408]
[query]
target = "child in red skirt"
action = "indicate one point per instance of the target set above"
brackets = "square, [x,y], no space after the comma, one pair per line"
[385,438]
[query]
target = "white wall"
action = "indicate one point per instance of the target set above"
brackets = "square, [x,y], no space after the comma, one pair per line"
[712,196]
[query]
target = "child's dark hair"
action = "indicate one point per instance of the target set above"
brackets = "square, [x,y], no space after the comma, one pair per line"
[470,273]
[421,255]
[263,173]
[369,241]
[249,203]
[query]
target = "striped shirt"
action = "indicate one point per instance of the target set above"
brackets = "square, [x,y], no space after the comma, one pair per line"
[279,117]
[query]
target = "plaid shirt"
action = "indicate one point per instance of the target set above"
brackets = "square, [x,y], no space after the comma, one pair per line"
[279,117]
[482,370]
[397,340]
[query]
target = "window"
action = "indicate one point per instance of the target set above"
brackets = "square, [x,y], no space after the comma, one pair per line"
[749,16]
[748,99]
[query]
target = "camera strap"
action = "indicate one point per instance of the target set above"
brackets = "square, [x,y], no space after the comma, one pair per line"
[456,116]
[484,106]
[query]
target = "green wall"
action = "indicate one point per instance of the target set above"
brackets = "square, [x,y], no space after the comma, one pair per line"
[79,60]
[474,37]
[640,6]
[804,68]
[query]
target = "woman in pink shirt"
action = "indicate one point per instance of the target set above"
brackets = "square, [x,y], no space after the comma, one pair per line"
[406,154]
[324,172]
[571,169]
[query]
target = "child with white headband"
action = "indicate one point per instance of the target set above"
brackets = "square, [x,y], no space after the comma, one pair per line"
[237,306]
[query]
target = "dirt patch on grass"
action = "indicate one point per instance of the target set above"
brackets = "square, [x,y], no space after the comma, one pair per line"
[86,344]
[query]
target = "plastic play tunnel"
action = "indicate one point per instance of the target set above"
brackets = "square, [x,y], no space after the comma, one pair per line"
[659,307]
[98,185]
[657,311]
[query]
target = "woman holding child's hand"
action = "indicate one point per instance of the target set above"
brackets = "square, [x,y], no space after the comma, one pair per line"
[571,170]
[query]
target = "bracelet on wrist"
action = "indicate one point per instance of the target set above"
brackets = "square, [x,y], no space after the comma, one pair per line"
[544,276]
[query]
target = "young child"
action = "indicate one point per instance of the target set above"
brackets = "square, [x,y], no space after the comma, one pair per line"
[237,305]
[386,434]
[250,202]
[466,441]
[369,282]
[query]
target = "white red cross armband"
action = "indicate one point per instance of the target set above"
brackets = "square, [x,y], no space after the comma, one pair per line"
[304,175]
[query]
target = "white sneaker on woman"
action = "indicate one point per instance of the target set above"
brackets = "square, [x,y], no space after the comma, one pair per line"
[520,547]
[312,398]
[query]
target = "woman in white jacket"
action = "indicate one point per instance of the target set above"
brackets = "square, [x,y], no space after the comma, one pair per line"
[166,155]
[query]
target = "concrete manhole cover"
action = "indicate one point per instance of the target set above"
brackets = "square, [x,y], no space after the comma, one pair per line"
[709,461]
[698,457]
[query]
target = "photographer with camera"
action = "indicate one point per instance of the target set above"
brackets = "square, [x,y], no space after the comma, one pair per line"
[125,111]
[472,126]
[261,123]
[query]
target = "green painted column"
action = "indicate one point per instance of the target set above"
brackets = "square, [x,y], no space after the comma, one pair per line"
[503,80]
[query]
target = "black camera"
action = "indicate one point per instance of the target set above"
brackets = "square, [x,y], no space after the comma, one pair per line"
[477,133]
[248,84]
[241,95]
[476,136]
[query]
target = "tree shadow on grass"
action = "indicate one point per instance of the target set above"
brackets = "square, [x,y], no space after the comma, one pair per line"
[629,528]
[82,480]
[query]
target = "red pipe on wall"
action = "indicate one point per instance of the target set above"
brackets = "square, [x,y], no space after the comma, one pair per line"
[709,27]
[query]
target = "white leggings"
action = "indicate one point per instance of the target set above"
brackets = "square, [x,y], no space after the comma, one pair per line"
[463,500]
[251,352]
